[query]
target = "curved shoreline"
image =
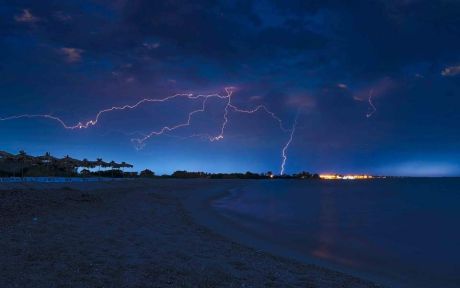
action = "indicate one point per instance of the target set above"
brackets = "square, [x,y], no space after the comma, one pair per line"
[200,209]
[136,234]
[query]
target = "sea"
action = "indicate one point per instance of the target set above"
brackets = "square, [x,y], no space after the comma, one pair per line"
[401,232]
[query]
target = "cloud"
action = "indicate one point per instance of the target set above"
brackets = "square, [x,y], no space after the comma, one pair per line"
[130,79]
[213,30]
[62,16]
[72,54]
[26,17]
[451,71]
[151,46]
[378,88]
[301,102]
[256,98]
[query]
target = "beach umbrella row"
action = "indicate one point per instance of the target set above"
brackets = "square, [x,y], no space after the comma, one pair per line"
[23,160]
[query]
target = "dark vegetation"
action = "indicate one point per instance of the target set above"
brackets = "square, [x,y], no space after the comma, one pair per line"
[247,175]
[24,165]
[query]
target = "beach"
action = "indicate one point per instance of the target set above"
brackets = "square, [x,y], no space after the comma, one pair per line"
[134,233]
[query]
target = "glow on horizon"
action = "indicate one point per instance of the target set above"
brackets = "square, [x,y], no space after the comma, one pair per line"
[422,168]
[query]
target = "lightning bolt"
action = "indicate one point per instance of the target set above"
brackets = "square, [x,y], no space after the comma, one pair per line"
[93,122]
[286,146]
[261,108]
[372,106]
[139,143]
[229,106]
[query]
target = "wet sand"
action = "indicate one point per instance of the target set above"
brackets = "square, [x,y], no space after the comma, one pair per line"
[137,233]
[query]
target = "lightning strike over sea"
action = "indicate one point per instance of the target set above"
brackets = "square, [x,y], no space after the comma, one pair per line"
[288,143]
[333,124]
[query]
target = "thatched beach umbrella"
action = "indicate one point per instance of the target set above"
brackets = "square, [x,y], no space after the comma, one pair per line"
[8,162]
[126,165]
[47,160]
[88,164]
[70,163]
[24,159]
[113,166]
[6,155]
[101,164]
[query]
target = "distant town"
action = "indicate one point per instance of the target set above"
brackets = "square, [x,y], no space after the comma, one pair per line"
[23,165]
[348,177]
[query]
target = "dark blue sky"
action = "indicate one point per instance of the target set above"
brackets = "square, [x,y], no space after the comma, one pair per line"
[71,59]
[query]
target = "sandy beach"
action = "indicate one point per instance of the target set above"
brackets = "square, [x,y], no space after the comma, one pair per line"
[134,233]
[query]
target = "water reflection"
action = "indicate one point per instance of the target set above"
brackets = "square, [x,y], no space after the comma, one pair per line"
[402,229]
[329,231]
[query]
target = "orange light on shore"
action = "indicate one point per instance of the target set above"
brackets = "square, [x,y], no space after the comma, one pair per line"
[330,176]
[344,177]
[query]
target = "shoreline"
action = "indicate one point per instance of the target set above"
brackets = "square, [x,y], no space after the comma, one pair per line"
[134,233]
[202,210]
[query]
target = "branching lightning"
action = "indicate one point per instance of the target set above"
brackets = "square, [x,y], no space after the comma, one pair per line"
[220,136]
[263,108]
[372,106]
[93,122]
[140,142]
[286,146]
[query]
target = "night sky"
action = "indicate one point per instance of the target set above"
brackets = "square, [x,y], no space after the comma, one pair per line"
[330,61]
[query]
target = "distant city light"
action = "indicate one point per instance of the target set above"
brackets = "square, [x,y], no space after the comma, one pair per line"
[345,177]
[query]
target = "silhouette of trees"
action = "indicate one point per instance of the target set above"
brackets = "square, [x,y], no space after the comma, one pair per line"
[147,173]
[47,165]
[186,174]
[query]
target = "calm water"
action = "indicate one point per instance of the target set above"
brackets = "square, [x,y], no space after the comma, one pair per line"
[403,231]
